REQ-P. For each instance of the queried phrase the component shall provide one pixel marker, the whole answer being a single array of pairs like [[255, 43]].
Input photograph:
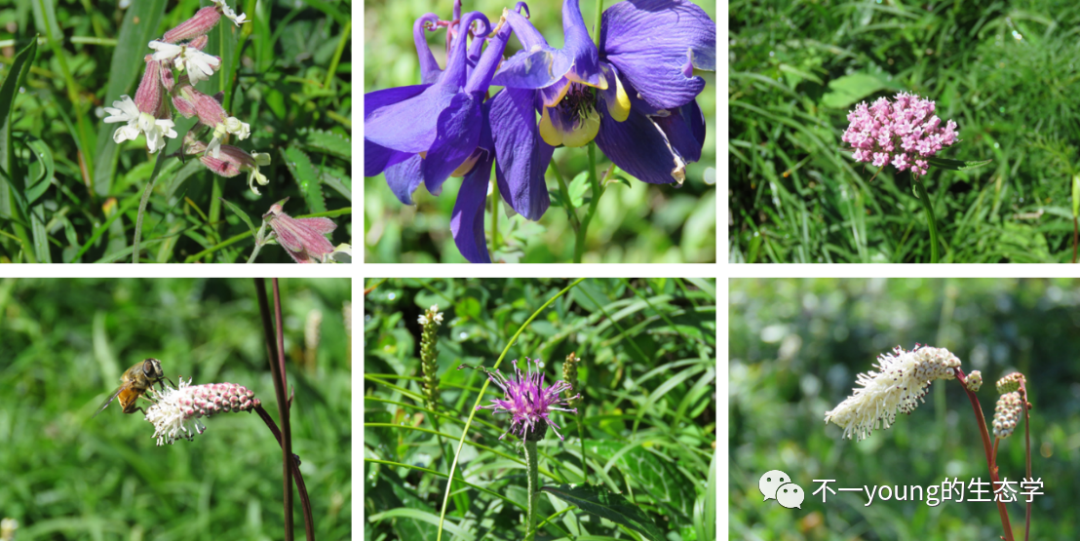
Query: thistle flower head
[[528, 402], [902, 379], [177, 411]]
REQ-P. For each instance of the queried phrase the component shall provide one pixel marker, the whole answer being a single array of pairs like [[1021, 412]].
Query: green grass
[[75, 194], [635, 223]]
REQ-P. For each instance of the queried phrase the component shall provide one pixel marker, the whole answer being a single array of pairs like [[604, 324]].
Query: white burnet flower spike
[[898, 386]]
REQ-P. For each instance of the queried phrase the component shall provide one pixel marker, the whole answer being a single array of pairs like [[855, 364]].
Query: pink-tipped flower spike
[[528, 402], [303, 238], [903, 132], [176, 412], [901, 381]]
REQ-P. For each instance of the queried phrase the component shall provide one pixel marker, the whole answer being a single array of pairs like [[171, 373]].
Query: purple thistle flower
[[528, 402], [903, 132]]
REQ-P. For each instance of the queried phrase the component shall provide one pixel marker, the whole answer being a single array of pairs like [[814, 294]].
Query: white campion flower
[[176, 412], [156, 130], [898, 386], [198, 65], [231, 125], [228, 12]]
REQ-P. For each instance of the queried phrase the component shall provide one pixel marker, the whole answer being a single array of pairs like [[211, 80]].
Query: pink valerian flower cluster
[[181, 49], [528, 402], [903, 132], [176, 409]]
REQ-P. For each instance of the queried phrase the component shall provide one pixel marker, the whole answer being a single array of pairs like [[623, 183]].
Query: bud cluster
[[1007, 414], [1010, 383], [176, 408], [974, 381], [429, 354]]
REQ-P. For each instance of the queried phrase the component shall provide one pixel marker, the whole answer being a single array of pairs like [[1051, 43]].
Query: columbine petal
[[458, 134], [653, 43], [641, 146], [405, 177], [429, 68], [467, 221], [523, 156]]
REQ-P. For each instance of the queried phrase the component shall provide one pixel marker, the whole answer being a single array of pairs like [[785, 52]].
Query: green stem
[[494, 221], [579, 245], [599, 17], [139, 219], [532, 466], [581, 436], [929, 207], [259, 242], [564, 191]]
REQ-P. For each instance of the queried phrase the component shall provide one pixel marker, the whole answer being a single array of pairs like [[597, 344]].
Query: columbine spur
[[898, 387]]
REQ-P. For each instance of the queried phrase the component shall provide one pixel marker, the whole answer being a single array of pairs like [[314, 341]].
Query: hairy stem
[[930, 221], [532, 465]]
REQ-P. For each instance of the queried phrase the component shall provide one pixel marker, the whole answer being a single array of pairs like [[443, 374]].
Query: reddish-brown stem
[[305, 501], [1027, 449], [989, 452]]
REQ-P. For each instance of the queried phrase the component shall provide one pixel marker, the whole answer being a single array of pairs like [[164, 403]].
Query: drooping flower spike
[[898, 385], [528, 402]]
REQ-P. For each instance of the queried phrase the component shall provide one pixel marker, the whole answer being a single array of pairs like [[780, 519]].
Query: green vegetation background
[[648, 373], [1004, 71], [796, 348], [281, 72], [637, 224], [70, 476]]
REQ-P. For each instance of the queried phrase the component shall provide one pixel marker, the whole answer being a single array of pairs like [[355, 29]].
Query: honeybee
[[134, 382]]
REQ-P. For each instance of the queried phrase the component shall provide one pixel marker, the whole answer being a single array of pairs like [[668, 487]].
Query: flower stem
[[494, 221], [597, 191], [532, 465], [1027, 454], [259, 242], [1004, 513], [565, 193], [305, 501], [599, 17], [929, 207], [581, 436]]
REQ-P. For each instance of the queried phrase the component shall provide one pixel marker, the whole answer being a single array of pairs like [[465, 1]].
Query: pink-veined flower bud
[[198, 25], [149, 97], [176, 412], [231, 161], [199, 42], [303, 238]]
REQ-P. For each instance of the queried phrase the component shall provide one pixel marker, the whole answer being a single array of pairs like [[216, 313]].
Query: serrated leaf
[[325, 142], [609, 505], [956, 165], [307, 177], [342, 184], [659, 478], [16, 75]]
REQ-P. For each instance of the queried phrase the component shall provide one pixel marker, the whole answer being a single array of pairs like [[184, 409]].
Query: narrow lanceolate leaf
[[8, 90], [609, 505], [240, 213], [955, 165]]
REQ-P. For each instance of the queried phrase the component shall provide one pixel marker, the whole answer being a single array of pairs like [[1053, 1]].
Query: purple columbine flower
[[529, 403], [903, 133], [634, 94]]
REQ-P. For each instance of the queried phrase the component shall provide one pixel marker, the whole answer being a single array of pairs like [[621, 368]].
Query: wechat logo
[[777, 485]]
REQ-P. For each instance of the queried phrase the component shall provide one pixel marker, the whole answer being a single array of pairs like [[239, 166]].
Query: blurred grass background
[[1004, 71], [796, 347], [637, 224], [70, 476]]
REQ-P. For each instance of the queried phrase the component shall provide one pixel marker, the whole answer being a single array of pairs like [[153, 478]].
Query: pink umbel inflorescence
[[528, 402], [903, 132]]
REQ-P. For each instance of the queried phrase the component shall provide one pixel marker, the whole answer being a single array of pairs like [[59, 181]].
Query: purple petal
[[579, 47], [642, 148], [537, 65], [408, 125], [404, 178], [523, 157], [467, 221], [458, 134], [378, 158], [685, 128], [429, 68]]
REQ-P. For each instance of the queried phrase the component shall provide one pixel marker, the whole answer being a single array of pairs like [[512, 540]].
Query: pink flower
[[877, 131], [176, 412], [303, 238], [528, 402], [198, 25]]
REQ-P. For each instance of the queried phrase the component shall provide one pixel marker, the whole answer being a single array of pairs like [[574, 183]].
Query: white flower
[[341, 254], [164, 52], [261, 159], [175, 409], [156, 130], [899, 387], [437, 316], [422, 320], [234, 126], [198, 65], [231, 125], [228, 12]]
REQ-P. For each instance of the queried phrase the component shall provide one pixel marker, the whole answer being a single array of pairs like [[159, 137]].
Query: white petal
[[165, 51]]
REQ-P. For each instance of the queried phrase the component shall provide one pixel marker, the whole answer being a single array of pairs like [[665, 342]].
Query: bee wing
[[108, 401]]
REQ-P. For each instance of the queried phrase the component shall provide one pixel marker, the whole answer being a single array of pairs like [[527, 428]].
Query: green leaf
[[578, 187], [8, 166], [658, 477], [243, 215], [41, 170], [307, 177], [955, 165], [342, 184], [851, 88], [609, 505], [325, 142]]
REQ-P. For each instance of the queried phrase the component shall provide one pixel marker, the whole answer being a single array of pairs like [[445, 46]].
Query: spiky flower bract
[[528, 402]]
